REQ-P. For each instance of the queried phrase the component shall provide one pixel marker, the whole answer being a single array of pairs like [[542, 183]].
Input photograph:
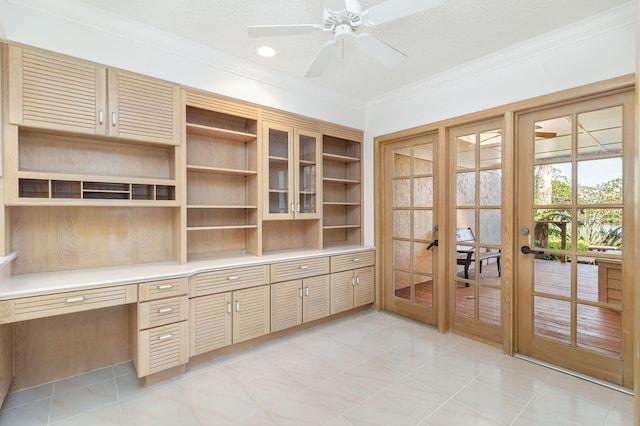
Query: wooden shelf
[[340, 226], [220, 170], [220, 227], [338, 203], [220, 207], [278, 159], [336, 180], [216, 132], [340, 158]]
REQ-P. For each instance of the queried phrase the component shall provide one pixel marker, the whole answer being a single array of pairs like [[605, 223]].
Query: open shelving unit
[[342, 191], [222, 183]]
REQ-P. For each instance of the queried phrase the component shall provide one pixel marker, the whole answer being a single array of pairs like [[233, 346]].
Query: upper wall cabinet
[[293, 172], [60, 93]]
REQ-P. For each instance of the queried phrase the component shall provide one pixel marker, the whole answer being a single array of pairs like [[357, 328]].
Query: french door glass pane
[[402, 193], [423, 159], [552, 319], [402, 224], [600, 181], [599, 329], [552, 277], [490, 188], [491, 148], [553, 138], [600, 132], [466, 152], [466, 189], [423, 224], [490, 226], [489, 304], [466, 300], [402, 162], [402, 284]]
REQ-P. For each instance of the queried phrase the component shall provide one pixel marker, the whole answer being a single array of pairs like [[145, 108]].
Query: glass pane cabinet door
[[279, 178], [307, 175]]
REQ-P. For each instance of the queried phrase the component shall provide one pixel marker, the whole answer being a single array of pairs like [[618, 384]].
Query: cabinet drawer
[[161, 289], [297, 269], [345, 262], [73, 301], [228, 280], [164, 311], [162, 348]]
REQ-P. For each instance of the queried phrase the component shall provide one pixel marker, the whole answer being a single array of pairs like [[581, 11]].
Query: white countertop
[[27, 285]]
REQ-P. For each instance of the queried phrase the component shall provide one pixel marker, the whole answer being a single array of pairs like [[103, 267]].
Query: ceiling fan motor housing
[[343, 22]]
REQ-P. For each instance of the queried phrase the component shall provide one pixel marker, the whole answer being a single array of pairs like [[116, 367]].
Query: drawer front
[[164, 288], [162, 348], [228, 280], [164, 311], [345, 262], [297, 269], [73, 301]]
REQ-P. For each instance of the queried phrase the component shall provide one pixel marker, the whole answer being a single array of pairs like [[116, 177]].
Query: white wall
[[598, 49]]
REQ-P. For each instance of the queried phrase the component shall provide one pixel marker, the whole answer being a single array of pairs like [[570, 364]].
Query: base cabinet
[[300, 301], [218, 320], [159, 341], [351, 289]]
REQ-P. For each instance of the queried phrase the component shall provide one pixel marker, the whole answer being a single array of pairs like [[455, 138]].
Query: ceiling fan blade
[[322, 59], [335, 6], [378, 50], [391, 10], [282, 30]]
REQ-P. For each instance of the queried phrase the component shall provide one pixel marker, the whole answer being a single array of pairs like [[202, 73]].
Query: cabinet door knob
[[237, 306], [228, 307], [114, 122], [100, 116], [307, 291]]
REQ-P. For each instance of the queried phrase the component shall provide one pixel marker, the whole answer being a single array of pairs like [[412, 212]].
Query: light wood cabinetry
[[342, 191], [160, 326], [60, 93], [222, 152], [300, 301], [292, 172], [351, 289], [228, 306]]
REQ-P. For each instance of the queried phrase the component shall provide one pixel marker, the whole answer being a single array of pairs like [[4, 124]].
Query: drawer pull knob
[[165, 310], [74, 299], [165, 336], [304, 267], [165, 286], [356, 259], [233, 277]]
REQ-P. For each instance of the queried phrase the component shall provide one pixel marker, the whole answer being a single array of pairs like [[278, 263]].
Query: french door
[[409, 229], [475, 234], [574, 222]]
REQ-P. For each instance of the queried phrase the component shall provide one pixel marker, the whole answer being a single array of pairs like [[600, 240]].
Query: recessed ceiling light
[[266, 51]]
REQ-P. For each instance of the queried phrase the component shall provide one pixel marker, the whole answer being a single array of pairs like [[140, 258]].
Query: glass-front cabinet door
[[292, 168]]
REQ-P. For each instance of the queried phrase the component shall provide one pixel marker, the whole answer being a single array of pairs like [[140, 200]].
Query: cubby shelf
[[340, 226], [338, 180], [220, 227]]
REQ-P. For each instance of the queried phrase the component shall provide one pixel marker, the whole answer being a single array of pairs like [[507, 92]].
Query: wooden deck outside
[[598, 328]]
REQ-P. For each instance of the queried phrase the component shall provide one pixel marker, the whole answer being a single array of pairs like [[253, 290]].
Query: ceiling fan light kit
[[343, 18]]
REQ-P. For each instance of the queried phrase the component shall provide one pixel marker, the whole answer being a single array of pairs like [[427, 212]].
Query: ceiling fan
[[343, 18]]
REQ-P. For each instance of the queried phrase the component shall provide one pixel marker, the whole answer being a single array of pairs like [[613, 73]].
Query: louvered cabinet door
[[363, 291], [144, 109], [56, 92], [316, 301], [286, 305], [341, 291], [210, 323], [251, 313]]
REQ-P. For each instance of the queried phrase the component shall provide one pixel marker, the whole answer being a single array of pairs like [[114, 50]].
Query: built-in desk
[[96, 317]]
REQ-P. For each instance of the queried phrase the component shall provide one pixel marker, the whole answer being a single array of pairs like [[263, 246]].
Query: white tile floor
[[370, 368]]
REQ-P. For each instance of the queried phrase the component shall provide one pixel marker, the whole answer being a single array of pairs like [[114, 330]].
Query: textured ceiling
[[436, 40]]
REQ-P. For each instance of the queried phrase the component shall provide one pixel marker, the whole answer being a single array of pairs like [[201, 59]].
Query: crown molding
[[610, 20]]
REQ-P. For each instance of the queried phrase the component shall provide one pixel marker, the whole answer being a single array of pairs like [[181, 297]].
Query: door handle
[[527, 250], [433, 243]]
